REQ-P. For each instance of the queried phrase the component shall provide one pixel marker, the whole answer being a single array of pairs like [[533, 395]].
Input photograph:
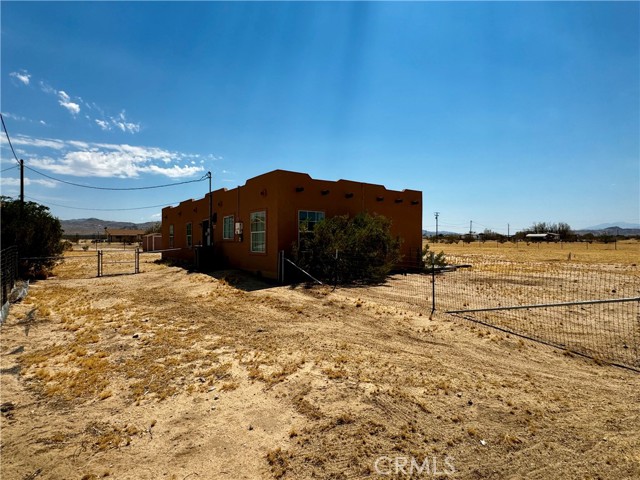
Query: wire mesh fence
[[589, 309], [409, 286], [9, 269], [86, 264]]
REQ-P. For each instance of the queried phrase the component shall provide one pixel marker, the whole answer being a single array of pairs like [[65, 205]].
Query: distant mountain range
[[612, 230], [91, 226], [605, 226]]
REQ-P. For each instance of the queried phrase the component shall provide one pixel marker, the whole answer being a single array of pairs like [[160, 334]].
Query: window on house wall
[[170, 236], [307, 220], [189, 235], [227, 228], [258, 232]]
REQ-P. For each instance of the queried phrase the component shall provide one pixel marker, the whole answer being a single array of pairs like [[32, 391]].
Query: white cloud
[[46, 88], [15, 182], [22, 75], [65, 101], [106, 122], [121, 122], [14, 117], [103, 125], [42, 122], [156, 215], [37, 142], [86, 159]]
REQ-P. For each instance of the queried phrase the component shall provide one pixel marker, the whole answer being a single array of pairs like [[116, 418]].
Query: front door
[[206, 240]]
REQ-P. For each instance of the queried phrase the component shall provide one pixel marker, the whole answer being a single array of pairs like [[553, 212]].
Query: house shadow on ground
[[242, 280]]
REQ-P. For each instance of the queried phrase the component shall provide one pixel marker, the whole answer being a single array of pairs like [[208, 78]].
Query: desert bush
[[345, 249], [36, 233], [438, 259]]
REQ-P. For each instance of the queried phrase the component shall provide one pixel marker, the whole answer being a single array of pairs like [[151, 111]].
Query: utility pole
[[508, 234], [21, 188], [436, 214], [470, 227], [210, 213]]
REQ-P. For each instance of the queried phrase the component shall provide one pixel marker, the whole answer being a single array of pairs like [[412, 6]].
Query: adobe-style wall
[[282, 194]]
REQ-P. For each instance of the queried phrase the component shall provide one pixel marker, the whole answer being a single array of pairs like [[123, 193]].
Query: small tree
[[346, 250], [155, 228], [36, 233], [562, 229], [438, 260]]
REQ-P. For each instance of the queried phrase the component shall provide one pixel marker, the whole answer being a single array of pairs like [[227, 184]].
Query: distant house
[[152, 242], [253, 223], [124, 236], [542, 237]]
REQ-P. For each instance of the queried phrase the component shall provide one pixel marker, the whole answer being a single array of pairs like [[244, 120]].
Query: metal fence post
[[335, 271], [433, 283]]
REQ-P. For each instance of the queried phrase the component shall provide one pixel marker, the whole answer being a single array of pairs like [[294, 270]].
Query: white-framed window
[[258, 222], [189, 235], [307, 220], [227, 227], [171, 236]]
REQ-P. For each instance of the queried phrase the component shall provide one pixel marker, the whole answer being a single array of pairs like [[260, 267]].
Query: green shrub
[[36, 233], [345, 249], [438, 259]]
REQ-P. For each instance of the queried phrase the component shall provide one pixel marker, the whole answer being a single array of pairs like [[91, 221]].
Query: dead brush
[[284, 372], [278, 462], [344, 419], [306, 408], [510, 440], [218, 372], [229, 386], [335, 373], [106, 437]]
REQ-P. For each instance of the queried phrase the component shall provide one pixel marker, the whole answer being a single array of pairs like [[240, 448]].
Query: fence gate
[[118, 262]]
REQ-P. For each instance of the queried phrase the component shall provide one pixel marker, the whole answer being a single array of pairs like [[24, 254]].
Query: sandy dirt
[[172, 374]]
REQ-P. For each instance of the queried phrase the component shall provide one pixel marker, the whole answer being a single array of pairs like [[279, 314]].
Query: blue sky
[[501, 113]]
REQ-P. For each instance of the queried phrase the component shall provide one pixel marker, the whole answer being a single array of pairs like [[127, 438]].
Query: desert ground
[[171, 374]]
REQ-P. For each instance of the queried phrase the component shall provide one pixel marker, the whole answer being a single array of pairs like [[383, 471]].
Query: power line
[[8, 139], [102, 209], [113, 188], [10, 168]]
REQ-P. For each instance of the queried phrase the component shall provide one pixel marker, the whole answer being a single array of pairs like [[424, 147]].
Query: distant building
[[542, 237], [152, 242], [126, 236], [253, 223]]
